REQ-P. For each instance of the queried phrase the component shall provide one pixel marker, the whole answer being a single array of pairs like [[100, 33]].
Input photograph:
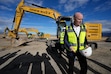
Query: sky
[[94, 11]]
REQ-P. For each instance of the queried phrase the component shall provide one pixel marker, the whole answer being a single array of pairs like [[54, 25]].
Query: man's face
[[78, 20]]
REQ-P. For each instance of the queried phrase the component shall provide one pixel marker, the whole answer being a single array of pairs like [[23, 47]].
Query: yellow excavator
[[40, 35], [21, 8]]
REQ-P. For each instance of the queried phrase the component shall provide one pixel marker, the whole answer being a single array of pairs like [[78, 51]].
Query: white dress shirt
[[77, 29]]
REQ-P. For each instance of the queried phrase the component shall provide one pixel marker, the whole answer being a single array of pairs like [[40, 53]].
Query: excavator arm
[[21, 8], [32, 30], [23, 30]]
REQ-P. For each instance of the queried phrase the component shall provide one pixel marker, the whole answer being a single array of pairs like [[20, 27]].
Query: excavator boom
[[23, 30]]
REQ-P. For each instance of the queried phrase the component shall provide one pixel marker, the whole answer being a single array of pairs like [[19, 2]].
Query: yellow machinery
[[94, 31], [27, 30], [5, 31], [43, 36], [23, 30], [32, 30], [21, 8], [29, 35]]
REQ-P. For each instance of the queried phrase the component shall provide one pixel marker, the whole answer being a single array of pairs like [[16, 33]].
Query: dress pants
[[82, 61]]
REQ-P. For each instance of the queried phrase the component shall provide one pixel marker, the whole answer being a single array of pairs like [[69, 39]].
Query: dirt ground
[[34, 57]]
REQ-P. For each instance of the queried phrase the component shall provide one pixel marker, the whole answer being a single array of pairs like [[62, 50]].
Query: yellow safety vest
[[62, 37], [73, 40]]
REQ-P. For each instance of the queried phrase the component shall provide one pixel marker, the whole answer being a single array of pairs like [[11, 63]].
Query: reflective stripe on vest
[[72, 38], [62, 38]]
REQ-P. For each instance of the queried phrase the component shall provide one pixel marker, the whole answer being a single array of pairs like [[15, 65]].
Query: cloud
[[5, 8], [95, 0], [7, 1], [62, 1], [70, 5], [37, 2], [104, 6], [8, 4], [15, 2], [5, 22], [1, 30]]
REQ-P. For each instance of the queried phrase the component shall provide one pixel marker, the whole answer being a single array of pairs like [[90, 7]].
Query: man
[[61, 43], [75, 40]]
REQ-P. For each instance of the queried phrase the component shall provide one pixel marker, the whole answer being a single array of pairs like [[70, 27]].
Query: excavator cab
[[40, 33], [29, 36], [62, 22], [43, 35]]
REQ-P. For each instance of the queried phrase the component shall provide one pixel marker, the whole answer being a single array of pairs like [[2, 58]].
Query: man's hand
[[86, 46], [72, 49]]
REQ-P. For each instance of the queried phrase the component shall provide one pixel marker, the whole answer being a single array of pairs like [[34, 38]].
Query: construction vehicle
[[21, 9], [94, 31], [5, 32], [23, 30], [27, 32], [40, 35]]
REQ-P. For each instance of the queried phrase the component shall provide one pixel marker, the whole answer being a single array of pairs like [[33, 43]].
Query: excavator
[[22, 8], [40, 35], [23, 30], [36, 9]]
